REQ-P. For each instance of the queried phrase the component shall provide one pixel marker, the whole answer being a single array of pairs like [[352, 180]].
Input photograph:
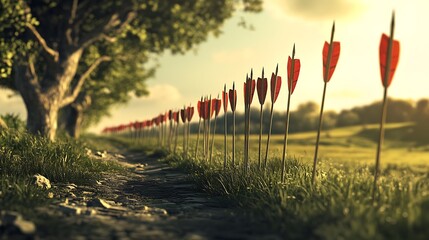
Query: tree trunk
[[72, 116], [42, 118], [74, 121], [43, 97]]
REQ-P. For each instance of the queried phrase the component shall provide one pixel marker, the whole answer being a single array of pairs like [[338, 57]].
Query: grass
[[22, 155], [339, 205]]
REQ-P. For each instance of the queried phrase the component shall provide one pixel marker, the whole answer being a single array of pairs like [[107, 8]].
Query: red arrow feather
[[217, 104], [294, 78], [200, 109], [384, 46], [190, 113], [248, 99], [336, 48], [225, 101], [176, 116], [233, 99], [208, 111], [262, 87], [183, 115], [275, 83]]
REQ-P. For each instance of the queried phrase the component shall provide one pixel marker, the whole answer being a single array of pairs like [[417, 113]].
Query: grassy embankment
[[22, 155], [339, 205]]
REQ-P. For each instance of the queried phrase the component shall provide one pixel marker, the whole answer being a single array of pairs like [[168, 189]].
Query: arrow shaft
[[380, 143], [198, 138], [261, 114], [286, 135], [233, 138], [224, 140], [316, 151], [269, 137]]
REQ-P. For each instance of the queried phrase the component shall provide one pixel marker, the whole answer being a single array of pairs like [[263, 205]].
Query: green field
[[339, 205], [348, 145]]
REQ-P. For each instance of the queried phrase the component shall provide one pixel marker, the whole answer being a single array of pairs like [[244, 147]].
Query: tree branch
[[70, 99], [70, 22], [42, 42], [73, 11], [116, 21]]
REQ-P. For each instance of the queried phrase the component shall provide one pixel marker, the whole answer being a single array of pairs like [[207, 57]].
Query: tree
[[60, 32], [347, 118], [111, 84]]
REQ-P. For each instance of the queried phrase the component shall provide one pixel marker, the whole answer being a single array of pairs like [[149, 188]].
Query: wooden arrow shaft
[[198, 138], [380, 143], [261, 114], [316, 151], [286, 134], [269, 137]]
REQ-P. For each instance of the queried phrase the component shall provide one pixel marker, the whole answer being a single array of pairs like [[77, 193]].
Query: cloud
[[318, 9], [162, 93]]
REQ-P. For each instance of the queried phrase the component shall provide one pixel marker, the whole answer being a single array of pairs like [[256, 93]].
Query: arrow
[[199, 106], [275, 90], [225, 110], [262, 87], [233, 103], [217, 105], [389, 57], [331, 53], [249, 90], [293, 68], [189, 115]]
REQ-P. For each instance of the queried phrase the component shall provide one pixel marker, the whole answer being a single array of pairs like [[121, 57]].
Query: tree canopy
[[50, 48]]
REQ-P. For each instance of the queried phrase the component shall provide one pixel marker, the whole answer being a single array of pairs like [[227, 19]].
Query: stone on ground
[[41, 181]]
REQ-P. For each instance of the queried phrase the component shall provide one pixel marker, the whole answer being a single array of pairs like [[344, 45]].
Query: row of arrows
[[207, 107]]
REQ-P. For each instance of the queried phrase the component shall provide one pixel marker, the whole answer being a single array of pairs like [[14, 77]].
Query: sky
[[183, 79]]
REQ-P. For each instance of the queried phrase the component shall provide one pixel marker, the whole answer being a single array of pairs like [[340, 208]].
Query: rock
[[42, 181], [14, 223], [98, 202], [88, 152], [101, 154]]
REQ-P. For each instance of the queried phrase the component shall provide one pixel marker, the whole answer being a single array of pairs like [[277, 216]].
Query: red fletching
[[189, 113], [233, 99], [335, 55], [176, 116], [207, 109], [217, 104], [262, 87], [248, 98], [384, 48], [276, 84], [293, 77], [213, 106], [200, 109], [183, 115], [225, 101], [157, 120]]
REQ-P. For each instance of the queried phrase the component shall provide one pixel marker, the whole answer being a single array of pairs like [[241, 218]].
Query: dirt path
[[151, 201]]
